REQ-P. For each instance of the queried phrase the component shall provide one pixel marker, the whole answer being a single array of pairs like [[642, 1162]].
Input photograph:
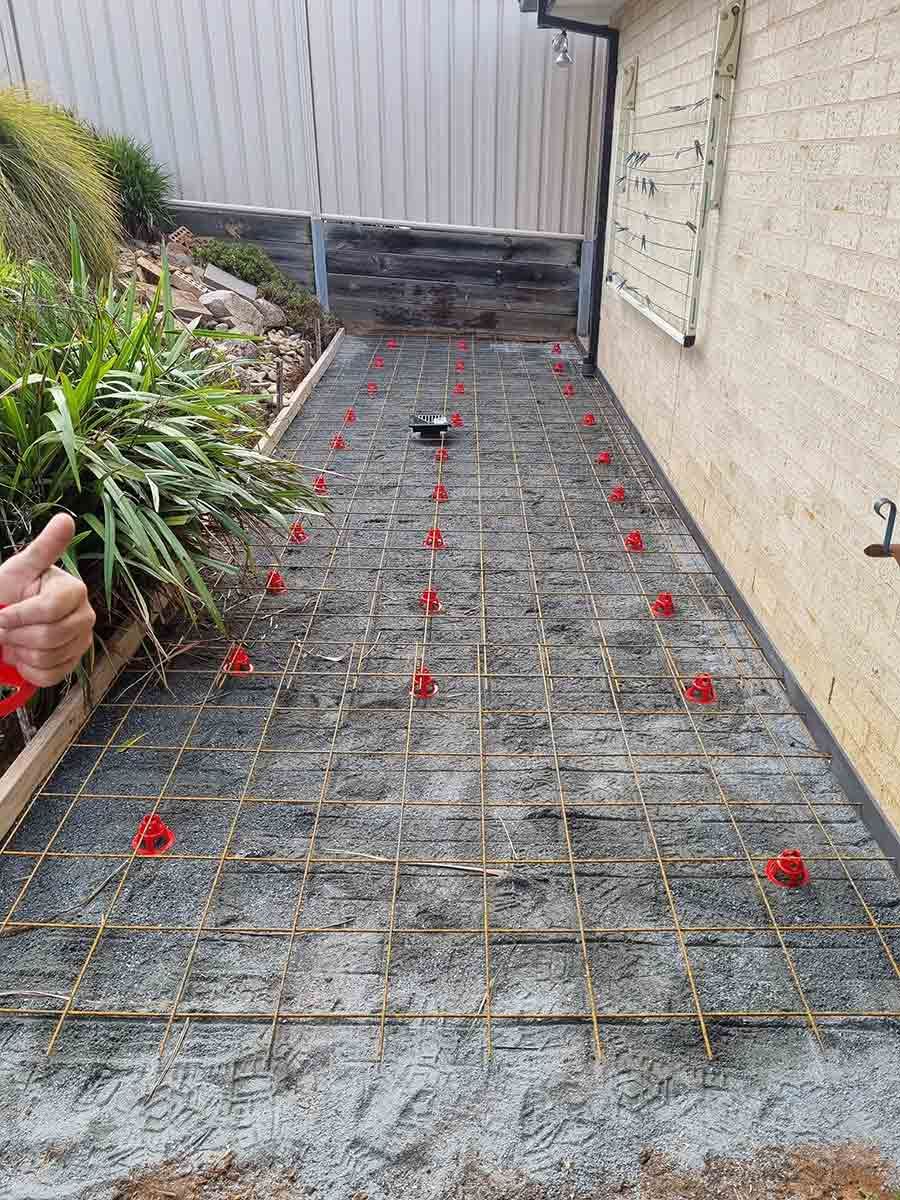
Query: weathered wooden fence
[[415, 277]]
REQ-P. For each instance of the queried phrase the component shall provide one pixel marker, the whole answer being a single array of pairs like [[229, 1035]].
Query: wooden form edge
[[275, 432], [36, 760]]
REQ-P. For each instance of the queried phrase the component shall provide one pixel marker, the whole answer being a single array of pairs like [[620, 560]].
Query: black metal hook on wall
[[885, 548]]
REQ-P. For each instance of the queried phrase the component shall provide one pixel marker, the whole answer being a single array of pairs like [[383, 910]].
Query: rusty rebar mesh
[[556, 835]]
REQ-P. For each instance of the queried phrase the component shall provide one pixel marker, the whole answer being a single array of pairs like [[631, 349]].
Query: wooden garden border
[[35, 762]]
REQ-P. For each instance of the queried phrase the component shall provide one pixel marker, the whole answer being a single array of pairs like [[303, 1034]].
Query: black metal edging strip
[[876, 820]]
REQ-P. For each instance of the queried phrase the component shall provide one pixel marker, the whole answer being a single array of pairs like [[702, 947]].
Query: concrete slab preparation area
[[524, 914]]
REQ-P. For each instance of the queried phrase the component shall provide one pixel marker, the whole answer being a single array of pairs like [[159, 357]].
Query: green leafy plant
[[252, 264], [142, 184], [115, 415], [243, 259], [51, 172]]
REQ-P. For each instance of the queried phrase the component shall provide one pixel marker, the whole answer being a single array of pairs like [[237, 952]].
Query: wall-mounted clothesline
[[654, 266]]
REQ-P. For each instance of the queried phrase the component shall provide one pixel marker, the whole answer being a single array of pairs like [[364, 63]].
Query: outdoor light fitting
[[560, 47]]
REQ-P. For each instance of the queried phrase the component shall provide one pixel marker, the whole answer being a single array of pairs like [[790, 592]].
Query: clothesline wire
[[651, 216], [671, 153], [672, 128], [650, 241], [655, 279], [668, 266], [694, 166], [652, 303]]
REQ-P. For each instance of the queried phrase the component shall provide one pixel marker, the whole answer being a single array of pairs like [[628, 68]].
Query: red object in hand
[[568, 389], [430, 601], [371, 387], [460, 364], [349, 416], [275, 584], [337, 442], [701, 691], [456, 420], [604, 457], [557, 348], [391, 343], [237, 662], [634, 541], [320, 487], [559, 368], [434, 540], [439, 492], [441, 455], [377, 361], [153, 836], [617, 495], [663, 605], [788, 870], [589, 419], [21, 690], [459, 389]]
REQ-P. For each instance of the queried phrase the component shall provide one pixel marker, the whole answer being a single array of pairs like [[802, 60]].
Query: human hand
[[48, 623]]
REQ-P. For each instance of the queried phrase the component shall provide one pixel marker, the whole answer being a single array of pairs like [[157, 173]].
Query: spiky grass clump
[[142, 184], [116, 415], [51, 170]]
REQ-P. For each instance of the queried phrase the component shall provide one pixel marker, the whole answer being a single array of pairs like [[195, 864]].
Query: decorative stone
[[231, 283], [246, 317], [240, 349], [272, 315]]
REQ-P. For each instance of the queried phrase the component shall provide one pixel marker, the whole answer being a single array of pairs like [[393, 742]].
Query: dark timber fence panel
[[382, 276], [285, 237]]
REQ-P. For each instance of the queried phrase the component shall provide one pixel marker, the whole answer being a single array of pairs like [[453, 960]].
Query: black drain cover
[[430, 425]]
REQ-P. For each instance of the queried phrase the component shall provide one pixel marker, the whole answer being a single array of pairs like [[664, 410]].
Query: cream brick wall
[[782, 424]]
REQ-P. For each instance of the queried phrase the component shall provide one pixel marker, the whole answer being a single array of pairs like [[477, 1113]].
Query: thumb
[[53, 540]]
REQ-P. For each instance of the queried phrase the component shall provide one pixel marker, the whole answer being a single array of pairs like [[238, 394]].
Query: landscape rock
[[151, 268], [245, 315], [186, 306], [215, 302], [224, 280], [271, 313], [183, 305], [241, 349]]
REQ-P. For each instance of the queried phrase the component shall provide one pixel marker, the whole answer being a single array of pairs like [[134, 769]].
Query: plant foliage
[[115, 415], [253, 265], [51, 172], [142, 184]]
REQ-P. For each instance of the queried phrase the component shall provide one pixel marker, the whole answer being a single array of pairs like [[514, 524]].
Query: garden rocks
[[245, 316], [220, 280], [240, 349], [271, 313], [184, 306], [253, 364]]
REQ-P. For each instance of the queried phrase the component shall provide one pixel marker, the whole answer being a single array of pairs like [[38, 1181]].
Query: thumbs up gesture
[[47, 624]]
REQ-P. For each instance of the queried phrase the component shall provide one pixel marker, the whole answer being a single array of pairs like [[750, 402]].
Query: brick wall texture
[[782, 424]]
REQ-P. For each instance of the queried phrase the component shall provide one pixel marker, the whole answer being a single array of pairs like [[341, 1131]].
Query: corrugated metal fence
[[441, 111]]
